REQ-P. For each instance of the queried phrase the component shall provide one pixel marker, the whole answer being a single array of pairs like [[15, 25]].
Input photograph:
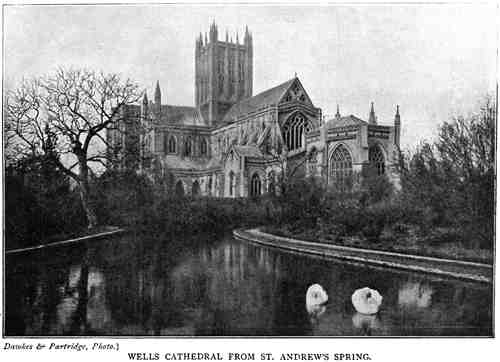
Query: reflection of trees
[[187, 287]]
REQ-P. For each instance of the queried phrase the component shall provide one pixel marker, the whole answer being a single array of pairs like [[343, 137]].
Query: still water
[[209, 285]]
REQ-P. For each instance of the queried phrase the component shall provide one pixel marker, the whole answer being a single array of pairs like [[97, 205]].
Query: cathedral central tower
[[223, 73]]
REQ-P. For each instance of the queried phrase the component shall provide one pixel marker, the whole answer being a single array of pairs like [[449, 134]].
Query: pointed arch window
[[172, 145], [203, 147], [209, 186], [271, 183], [179, 189], [195, 190], [341, 168], [294, 131], [255, 185], [376, 158], [231, 183], [187, 147], [165, 142]]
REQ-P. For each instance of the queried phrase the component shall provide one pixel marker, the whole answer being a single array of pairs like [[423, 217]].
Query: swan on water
[[316, 298], [366, 300]]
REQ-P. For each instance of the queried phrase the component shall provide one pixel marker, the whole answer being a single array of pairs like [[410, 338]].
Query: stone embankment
[[445, 267], [111, 232]]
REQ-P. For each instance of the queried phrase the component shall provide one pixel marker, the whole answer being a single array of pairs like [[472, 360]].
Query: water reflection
[[415, 295], [225, 287], [366, 324]]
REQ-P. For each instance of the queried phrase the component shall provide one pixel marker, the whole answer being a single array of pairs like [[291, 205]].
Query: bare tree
[[65, 116]]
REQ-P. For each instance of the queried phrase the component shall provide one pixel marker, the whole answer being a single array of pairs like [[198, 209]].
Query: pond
[[218, 286]]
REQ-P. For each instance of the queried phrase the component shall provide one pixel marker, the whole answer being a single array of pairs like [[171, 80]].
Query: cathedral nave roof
[[266, 98]]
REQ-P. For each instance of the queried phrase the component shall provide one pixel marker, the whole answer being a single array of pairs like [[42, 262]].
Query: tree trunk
[[89, 210], [84, 193]]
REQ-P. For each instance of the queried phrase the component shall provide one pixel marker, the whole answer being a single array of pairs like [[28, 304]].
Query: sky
[[435, 61]]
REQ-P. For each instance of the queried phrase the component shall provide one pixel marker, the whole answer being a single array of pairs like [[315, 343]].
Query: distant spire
[[295, 75], [397, 117], [337, 115], [237, 40], [145, 98], [206, 39], [372, 119], [227, 36], [158, 94]]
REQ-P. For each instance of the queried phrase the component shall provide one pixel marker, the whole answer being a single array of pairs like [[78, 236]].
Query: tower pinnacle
[[158, 94], [372, 118]]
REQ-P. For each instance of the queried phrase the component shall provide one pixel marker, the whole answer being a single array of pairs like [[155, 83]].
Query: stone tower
[[223, 73]]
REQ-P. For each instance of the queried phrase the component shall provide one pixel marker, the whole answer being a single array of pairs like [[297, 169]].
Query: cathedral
[[236, 144]]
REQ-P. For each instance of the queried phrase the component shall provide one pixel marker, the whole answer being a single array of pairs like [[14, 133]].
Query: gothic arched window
[[231, 183], [341, 168], [271, 186], [196, 191], [179, 188], [209, 186], [172, 145], [376, 158], [187, 147], [203, 147], [165, 142], [294, 131], [255, 185]]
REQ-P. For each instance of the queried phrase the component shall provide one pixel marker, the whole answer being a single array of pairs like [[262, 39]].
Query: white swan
[[316, 299], [366, 300]]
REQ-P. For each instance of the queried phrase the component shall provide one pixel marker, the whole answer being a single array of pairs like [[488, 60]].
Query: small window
[[187, 147], [203, 147], [256, 185], [231, 183], [172, 145]]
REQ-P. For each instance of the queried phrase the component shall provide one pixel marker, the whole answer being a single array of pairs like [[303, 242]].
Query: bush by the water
[[39, 204]]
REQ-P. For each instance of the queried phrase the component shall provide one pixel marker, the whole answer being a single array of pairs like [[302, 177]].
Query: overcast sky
[[433, 60]]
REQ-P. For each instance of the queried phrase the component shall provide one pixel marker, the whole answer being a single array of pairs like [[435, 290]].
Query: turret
[[337, 115], [158, 94], [372, 119], [145, 105], [237, 85], [227, 76], [248, 81], [397, 127], [213, 33]]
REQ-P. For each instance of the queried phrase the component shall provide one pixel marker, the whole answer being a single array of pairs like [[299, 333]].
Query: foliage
[[446, 196], [450, 183], [39, 203]]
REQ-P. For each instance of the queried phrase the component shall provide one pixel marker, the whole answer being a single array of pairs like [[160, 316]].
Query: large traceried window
[[376, 158], [255, 185], [341, 168], [172, 145], [294, 131]]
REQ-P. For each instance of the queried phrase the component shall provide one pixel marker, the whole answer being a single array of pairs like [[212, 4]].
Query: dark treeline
[[443, 205]]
